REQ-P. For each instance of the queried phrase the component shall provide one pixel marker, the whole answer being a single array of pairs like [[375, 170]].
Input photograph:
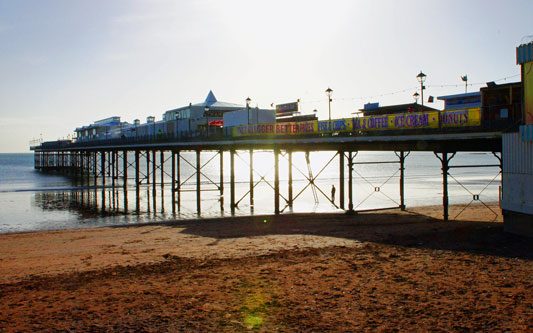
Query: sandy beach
[[388, 270]]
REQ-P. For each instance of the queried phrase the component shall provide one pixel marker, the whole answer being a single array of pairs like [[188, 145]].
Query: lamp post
[[206, 109], [421, 77], [465, 80], [329, 91], [248, 100], [415, 96]]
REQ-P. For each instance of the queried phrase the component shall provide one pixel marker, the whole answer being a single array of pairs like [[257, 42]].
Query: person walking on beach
[[333, 193]]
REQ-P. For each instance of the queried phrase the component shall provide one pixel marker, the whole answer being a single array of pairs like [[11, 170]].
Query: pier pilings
[[100, 167]]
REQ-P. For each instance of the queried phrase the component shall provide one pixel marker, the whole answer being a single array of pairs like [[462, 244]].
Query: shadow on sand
[[393, 228]]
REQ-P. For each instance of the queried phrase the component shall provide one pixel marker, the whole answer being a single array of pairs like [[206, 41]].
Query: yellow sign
[[460, 118], [306, 127], [528, 92], [337, 125], [397, 121], [400, 121]]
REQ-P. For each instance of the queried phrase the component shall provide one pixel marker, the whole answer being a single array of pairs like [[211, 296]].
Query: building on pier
[[208, 117], [464, 101], [205, 119], [100, 130], [373, 109], [502, 103], [517, 150]]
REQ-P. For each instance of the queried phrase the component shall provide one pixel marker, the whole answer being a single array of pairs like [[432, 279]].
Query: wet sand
[[390, 270]]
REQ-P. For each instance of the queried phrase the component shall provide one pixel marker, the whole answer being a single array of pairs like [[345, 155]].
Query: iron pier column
[[117, 167], [173, 182], [221, 187], [252, 180], [445, 168], [137, 180], [81, 166], [95, 166], [137, 171], [109, 162], [147, 167], [178, 178], [350, 181], [162, 169], [154, 167], [113, 166], [341, 179], [290, 179], [88, 166], [198, 188], [232, 181], [102, 166], [276, 181], [125, 168], [402, 180]]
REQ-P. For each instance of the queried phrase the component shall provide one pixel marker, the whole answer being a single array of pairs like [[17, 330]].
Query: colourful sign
[[401, 121], [371, 123], [397, 121], [460, 118], [336, 125], [305, 127]]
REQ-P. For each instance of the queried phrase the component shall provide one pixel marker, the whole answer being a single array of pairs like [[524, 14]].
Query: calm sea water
[[32, 200]]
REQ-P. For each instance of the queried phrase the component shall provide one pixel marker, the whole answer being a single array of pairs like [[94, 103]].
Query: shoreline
[[434, 211]]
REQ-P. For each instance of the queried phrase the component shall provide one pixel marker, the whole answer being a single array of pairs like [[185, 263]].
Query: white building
[[103, 129]]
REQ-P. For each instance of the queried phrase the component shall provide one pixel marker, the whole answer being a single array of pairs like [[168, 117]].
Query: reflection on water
[[85, 203]]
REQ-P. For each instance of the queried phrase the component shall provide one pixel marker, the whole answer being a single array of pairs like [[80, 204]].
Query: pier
[[110, 163]]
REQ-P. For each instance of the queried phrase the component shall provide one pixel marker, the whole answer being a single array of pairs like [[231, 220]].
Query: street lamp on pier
[[465, 80], [248, 100], [329, 91], [415, 96], [421, 77], [207, 118]]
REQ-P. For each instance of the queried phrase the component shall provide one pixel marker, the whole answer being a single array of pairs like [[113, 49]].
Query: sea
[[31, 200]]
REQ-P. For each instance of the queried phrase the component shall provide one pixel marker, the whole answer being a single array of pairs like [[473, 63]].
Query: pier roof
[[212, 102]]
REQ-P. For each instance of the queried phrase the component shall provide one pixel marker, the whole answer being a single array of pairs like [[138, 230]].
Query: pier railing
[[491, 123]]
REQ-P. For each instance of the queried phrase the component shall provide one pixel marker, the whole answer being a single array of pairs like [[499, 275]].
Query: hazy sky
[[64, 64]]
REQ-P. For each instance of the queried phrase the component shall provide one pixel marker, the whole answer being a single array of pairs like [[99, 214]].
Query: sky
[[65, 64]]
